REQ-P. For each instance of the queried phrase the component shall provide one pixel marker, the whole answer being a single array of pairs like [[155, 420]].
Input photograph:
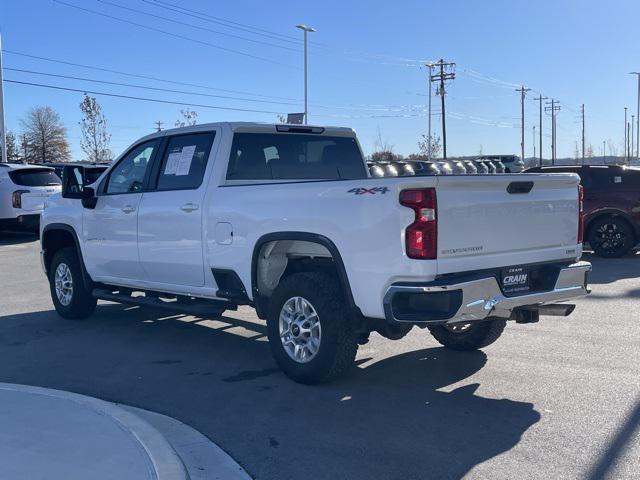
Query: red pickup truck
[[611, 205]]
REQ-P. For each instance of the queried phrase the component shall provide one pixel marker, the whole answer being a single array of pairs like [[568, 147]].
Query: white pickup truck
[[288, 220]]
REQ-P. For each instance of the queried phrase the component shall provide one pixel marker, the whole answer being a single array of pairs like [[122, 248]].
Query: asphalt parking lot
[[558, 399]]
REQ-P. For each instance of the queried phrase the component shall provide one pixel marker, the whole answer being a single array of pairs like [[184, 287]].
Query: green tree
[[12, 148]]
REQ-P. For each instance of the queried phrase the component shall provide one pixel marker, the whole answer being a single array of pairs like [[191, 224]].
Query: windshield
[[35, 177]]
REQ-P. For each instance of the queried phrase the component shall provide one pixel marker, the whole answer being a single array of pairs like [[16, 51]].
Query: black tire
[[611, 237], [338, 341], [81, 303], [477, 335]]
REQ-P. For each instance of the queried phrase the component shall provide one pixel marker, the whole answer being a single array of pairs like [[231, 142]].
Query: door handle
[[189, 207], [128, 209]]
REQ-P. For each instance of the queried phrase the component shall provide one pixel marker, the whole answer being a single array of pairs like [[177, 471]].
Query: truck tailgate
[[502, 220]]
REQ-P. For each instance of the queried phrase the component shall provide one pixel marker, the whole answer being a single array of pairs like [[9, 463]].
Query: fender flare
[[302, 236], [69, 229]]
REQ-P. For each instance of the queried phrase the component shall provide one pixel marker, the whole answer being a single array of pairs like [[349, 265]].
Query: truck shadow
[[11, 237], [609, 270], [413, 415]]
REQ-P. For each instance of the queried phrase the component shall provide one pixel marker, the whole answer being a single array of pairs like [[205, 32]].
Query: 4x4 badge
[[372, 191]]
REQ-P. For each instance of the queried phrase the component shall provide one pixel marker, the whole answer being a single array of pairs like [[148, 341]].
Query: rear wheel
[[311, 334], [611, 237], [468, 336], [71, 297]]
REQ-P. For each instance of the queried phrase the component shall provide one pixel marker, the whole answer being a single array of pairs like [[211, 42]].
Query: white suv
[[23, 191]]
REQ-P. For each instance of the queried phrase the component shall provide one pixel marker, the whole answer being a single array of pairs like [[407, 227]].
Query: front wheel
[[468, 336], [311, 334], [71, 297]]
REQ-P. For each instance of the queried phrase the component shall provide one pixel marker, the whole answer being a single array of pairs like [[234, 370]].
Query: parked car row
[[486, 164]]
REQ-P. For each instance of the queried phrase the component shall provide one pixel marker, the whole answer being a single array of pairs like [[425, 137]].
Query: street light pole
[[306, 31], [3, 131], [430, 67], [637, 118]]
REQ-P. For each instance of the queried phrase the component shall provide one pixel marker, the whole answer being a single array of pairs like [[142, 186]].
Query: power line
[[171, 34], [381, 59], [382, 108], [224, 22], [145, 99], [144, 87], [146, 77], [198, 27]]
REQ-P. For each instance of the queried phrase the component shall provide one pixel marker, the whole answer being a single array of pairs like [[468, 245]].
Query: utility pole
[[632, 134], [306, 31], [604, 152], [637, 117], [553, 108], [523, 91], [442, 77], [430, 67], [3, 130], [626, 149], [540, 99], [582, 111], [534, 143], [158, 126]]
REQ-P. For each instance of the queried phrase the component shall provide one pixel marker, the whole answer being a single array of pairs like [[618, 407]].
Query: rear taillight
[[580, 214], [422, 235], [16, 198]]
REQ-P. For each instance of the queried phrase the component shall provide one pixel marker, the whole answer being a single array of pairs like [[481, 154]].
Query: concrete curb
[[203, 459], [163, 461]]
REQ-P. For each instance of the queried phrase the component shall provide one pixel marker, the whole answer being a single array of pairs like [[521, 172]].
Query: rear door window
[[257, 156], [184, 161], [35, 177]]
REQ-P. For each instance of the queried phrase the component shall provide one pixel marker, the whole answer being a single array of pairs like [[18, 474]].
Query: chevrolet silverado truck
[[288, 220]]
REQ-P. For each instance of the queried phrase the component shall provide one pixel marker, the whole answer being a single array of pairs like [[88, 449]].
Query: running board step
[[200, 308]]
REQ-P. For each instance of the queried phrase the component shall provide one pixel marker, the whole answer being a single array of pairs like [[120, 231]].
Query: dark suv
[[611, 205]]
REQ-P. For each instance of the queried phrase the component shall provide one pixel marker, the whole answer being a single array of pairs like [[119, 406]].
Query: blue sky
[[363, 66]]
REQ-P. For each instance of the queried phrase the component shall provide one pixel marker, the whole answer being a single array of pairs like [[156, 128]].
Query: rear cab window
[[35, 177], [294, 156]]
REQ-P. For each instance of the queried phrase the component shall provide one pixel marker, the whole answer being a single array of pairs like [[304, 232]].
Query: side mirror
[[72, 182], [89, 199]]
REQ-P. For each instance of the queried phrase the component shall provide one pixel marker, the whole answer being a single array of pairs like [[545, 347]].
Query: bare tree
[[589, 151], [189, 118], [46, 136], [380, 144], [430, 145], [385, 156], [93, 126]]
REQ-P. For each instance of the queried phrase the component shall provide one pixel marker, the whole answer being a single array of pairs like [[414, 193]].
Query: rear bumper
[[477, 298]]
